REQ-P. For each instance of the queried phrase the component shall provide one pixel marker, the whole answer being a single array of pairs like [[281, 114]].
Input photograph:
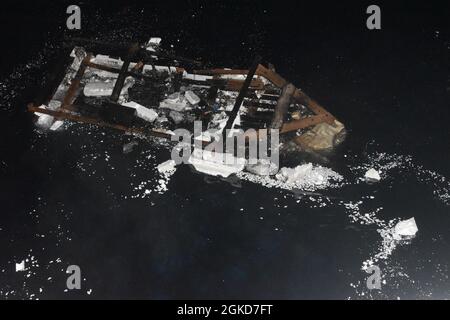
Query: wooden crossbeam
[[242, 94]]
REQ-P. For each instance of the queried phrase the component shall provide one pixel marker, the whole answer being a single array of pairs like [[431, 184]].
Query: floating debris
[[148, 83], [167, 166], [372, 175], [20, 266], [306, 177], [405, 229], [216, 164]]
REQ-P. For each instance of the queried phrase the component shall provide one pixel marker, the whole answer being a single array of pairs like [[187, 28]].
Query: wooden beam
[[241, 95], [302, 123], [75, 82], [279, 82], [123, 73], [66, 115]]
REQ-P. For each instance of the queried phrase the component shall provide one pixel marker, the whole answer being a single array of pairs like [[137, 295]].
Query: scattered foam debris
[[161, 187], [306, 177], [167, 166], [215, 163], [385, 163]]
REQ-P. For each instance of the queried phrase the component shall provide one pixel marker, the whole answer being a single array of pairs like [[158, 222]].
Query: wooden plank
[[236, 85], [241, 95], [75, 83]]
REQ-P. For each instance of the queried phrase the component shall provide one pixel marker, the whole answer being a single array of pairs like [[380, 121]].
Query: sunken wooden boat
[[147, 91]]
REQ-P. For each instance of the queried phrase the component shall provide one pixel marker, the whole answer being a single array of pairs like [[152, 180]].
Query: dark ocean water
[[67, 197]]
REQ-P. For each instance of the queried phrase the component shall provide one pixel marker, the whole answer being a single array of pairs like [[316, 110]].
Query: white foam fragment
[[300, 174], [56, 125], [44, 120], [98, 89], [20, 266], [173, 105], [216, 164], [191, 97], [142, 112], [166, 166], [305, 177], [262, 167], [196, 77], [405, 229], [152, 44], [176, 116], [372, 175]]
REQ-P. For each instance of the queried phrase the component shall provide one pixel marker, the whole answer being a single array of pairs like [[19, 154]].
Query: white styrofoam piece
[[372, 175], [406, 228], [56, 125], [105, 88], [191, 97], [196, 77], [20, 266], [262, 167], [44, 121], [166, 166], [152, 44], [173, 105], [216, 164], [107, 60]]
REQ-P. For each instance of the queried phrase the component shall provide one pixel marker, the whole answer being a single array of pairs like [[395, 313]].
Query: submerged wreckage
[[147, 91]]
